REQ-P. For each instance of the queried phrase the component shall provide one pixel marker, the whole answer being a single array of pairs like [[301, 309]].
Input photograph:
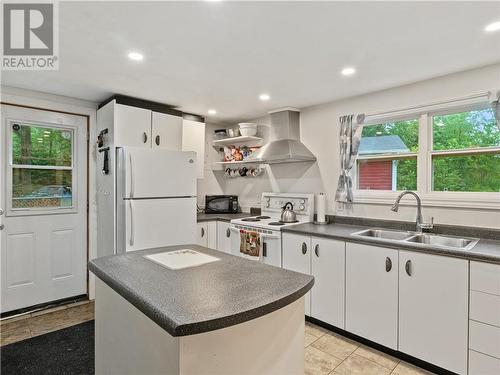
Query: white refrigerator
[[155, 200]]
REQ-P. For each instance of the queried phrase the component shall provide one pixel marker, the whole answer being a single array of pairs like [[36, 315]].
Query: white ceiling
[[222, 55]]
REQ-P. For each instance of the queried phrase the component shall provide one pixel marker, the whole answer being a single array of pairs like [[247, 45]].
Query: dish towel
[[250, 243]]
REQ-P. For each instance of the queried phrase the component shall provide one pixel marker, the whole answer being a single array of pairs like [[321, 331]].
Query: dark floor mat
[[67, 351]]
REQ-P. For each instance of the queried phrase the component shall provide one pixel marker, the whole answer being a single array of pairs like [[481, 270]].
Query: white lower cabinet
[[372, 293], [202, 233], [212, 235], [484, 319], [433, 309], [224, 236], [328, 269], [296, 250]]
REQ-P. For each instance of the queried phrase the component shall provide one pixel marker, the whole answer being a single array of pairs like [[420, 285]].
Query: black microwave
[[221, 204]]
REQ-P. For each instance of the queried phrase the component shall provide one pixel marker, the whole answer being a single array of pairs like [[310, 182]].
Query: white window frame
[[482, 200], [10, 166]]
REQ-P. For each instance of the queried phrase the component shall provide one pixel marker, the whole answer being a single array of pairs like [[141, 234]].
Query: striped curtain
[[350, 137]]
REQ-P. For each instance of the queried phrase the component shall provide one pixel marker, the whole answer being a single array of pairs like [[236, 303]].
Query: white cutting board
[[179, 259]]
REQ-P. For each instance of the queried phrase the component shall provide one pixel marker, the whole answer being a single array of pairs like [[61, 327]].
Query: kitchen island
[[193, 310]]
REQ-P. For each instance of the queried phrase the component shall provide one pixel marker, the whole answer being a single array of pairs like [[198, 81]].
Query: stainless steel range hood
[[284, 140]]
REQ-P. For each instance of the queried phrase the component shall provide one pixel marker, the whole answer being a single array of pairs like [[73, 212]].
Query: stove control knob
[[302, 201], [301, 207], [267, 204]]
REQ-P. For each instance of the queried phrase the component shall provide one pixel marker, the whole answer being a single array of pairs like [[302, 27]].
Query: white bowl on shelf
[[248, 132], [248, 128]]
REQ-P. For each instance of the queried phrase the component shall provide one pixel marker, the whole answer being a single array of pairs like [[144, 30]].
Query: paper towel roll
[[320, 207]]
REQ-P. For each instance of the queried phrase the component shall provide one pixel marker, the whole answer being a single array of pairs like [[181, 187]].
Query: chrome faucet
[[419, 221]]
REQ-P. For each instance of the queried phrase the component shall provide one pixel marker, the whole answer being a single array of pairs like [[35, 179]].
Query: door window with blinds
[[41, 167]]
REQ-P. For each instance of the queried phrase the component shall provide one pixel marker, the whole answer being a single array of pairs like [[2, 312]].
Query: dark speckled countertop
[[486, 250], [199, 299], [220, 217]]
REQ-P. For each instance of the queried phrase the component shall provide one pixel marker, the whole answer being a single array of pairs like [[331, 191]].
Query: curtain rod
[[487, 94]]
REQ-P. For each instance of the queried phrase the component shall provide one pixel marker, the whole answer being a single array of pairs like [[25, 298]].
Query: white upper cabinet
[[132, 126], [372, 293], [328, 269], [296, 250], [193, 139], [433, 309], [166, 131]]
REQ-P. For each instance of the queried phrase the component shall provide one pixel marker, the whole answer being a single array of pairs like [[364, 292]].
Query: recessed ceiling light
[[348, 71], [212, 112], [136, 56], [264, 97], [495, 26]]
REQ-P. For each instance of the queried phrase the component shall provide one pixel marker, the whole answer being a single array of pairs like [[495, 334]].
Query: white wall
[[319, 132], [13, 95]]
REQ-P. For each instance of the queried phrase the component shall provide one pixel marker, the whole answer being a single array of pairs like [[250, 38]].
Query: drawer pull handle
[[408, 267], [304, 248]]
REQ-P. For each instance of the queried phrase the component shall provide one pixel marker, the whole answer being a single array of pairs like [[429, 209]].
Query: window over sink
[[450, 156]]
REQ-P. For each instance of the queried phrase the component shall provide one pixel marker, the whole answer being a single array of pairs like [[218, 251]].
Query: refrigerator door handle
[[132, 180], [131, 241]]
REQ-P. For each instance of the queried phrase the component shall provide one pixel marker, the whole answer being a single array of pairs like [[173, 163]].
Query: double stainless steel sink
[[424, 239]]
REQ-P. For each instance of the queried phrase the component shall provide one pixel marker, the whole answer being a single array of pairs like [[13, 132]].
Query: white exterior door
[[44, 198], [433, 304], [372, 293], [328, 292]]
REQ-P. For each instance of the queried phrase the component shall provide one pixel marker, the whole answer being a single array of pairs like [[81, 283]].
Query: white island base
[[128, 342]]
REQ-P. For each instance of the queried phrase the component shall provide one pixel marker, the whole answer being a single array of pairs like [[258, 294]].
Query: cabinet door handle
[[316, 250], [202, 232], [264, 249], [157, 140], [408, 267], [2, 226], [144, 137], [388, 264], [1, 212], [304, 248], [228, 232]]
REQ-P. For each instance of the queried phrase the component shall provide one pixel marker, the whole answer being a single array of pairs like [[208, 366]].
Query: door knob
[[202, 232], [304, 248], [157, 140], [144, 137], [228, 233], [316, 250], [1, 212], [1, 226]]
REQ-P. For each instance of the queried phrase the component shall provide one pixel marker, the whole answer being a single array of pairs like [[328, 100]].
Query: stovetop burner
[[263, 217], [252, 219], [289, 222], [277, 223]]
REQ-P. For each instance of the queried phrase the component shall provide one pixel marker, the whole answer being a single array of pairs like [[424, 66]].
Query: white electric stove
[[269, 226]]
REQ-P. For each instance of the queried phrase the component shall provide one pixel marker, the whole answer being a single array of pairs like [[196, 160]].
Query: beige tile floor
[[41, 322], [330, 354], [325, 352]]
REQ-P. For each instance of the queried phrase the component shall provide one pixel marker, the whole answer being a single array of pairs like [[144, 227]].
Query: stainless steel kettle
[[287, 214]]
